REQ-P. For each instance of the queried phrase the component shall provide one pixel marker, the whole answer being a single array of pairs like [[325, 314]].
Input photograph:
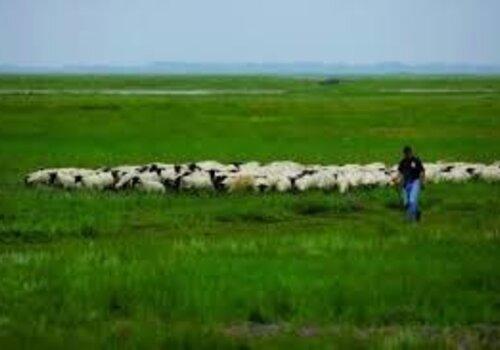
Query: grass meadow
[[204, 270]]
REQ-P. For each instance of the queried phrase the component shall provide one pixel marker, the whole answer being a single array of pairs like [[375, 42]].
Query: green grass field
[[312, 270]]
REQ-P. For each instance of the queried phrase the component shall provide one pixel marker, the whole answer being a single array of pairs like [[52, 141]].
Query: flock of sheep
[[280, 176]]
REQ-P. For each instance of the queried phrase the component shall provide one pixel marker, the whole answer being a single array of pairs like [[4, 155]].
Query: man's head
[[407, 152]]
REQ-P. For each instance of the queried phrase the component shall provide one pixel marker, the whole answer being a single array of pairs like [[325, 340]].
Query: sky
[[136, 32]]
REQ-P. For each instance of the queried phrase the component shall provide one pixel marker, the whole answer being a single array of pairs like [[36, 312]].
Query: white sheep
[[197, 180], [100, 181], [66, 181], [490, 173], [147, 186], [41, 177], [262, 184]]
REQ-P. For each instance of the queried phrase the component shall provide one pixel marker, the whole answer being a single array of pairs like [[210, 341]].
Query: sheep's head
[[470, 171], [115, 174], [38, 177], [218, 182], [172, 184], [52, 177], [28, 181], [159, 170], [307, 172], [211, 172], [193, 167], [293, 182], [136, 180], [78, 179], [262, 187]]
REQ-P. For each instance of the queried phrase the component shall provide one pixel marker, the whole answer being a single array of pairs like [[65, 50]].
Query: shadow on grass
[[33, 236], [320, 207], [15, 235], [250, 217]]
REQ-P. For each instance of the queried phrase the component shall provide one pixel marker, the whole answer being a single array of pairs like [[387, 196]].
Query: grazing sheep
[[238, 182], [99, 181], [67, 181], [281, 183], [125, 180], [218, 180], [211, 165], [261, 184], [193, 167], [326, 181], [250, 167], [147, 186], [41, 177], [282, 176], [197, 180], [343, 183], [490, 173]]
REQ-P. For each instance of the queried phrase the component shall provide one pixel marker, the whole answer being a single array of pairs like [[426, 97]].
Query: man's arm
[[422, 172], [398, 180]]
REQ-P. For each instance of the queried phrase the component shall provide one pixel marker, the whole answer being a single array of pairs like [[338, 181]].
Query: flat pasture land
[[206, 270]]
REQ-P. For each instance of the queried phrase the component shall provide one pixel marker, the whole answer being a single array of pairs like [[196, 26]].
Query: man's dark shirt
[[410, 168]]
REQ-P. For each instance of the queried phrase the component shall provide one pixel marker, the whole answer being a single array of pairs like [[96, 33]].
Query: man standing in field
[[411, 177]]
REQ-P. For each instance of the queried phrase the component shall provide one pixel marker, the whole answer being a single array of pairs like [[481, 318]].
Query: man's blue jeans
[[411, 191]]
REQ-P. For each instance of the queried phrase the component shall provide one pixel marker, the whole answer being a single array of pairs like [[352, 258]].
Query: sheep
[[72, 171], [261, 184], [196, 180], [343, 184], [217, 179], [238, 182], [100, 181], [145, 175], [326, 181], [169, 172], [147, 186], [279, 176], [124, 181], [41, 177], [192, 167], [211, 165], [303, 183], [67, 181], [126, 168], [250, 167], [150, 176], [280, 183], [432, 172], [490, 173], [48, 176], [313, 179]]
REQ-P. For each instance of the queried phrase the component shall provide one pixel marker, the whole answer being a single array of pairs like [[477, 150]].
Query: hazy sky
[[54, 32]]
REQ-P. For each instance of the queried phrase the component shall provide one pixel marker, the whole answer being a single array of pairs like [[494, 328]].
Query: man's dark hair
[[407, 150]]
